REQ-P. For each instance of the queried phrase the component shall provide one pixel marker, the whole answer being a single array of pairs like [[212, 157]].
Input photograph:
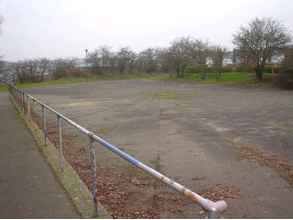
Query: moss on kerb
[[69, 179]]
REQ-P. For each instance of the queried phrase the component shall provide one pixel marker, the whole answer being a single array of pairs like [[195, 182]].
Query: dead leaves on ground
[[132, 194], [281, 166]]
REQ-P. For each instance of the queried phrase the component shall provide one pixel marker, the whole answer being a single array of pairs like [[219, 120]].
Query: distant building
[[288, 50], [82, 63], [209, 62], [276, 59], [228, 58]]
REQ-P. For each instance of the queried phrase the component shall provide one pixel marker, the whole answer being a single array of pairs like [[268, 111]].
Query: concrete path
[[28, 188]]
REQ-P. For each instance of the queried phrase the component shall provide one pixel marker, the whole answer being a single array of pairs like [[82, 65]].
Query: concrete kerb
[[69, 179]]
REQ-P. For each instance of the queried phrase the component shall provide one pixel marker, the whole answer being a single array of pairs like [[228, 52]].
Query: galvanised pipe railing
[[213, 209]]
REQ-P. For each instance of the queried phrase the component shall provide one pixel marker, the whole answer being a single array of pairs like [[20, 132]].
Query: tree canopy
[[260, 40]]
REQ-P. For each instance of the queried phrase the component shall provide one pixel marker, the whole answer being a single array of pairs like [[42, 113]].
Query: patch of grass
[[229, 77], [73, 80], [3, 88], [165, 95], [157, 163], [226, 78], [54, 82], [168, 94]]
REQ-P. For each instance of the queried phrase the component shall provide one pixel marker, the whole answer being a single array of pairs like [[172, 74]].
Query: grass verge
[[3, 88], [225, 78], [73, 80], [211, 78]]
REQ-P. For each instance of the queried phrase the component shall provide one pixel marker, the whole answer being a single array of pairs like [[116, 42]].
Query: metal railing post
[[212, 215], [28, 108], [93, 164], [24, 109], [44, 123], [61, 156], [22, 100]]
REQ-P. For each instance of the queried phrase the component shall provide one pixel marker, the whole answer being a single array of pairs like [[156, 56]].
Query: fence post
[[93, 164], [61, 156], [44, 124], [22, 101], [24, 110], [212, 214], [28, 108]]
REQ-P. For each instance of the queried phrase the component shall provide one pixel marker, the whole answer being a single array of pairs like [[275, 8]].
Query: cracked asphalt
[[193, 133]]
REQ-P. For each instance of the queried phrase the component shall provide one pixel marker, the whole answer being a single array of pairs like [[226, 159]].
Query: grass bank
[[3, 88], [211, 78], [225, 78], [73, 80]]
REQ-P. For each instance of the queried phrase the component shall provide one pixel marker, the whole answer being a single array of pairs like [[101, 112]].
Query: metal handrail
[[212, 208]]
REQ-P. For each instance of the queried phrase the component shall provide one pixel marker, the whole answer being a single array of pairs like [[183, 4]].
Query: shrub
[[244, 68], [196, 69], [285, 78]]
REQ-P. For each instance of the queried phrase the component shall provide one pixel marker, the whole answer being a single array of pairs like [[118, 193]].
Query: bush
[[206, 69], [196, 69], [70, 72], [285, 78], [228, 69], [271, 69], [244, 68]]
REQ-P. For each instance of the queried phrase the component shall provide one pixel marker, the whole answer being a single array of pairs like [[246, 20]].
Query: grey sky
[[64, 28]]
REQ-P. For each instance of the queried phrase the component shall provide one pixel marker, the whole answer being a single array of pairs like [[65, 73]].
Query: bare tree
[[179, 54], [125, 60], [187, 51], [32, 70], [217, 54], [102, 60], [63, 67], [163, 58], [260, 40], [104, 57], [43, 66], [147, 61], [199, 52]]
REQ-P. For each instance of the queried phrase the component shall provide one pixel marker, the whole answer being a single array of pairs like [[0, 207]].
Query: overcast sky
[[64, 28]]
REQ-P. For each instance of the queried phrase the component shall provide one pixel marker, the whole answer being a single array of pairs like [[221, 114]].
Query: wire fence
[[55, 127]]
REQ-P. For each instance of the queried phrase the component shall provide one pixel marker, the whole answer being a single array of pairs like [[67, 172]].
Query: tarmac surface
[[28, 188], [239, 137]]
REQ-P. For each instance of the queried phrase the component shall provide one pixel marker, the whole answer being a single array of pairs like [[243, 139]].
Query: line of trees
[[256, 43], [183, 52], [32, 70]]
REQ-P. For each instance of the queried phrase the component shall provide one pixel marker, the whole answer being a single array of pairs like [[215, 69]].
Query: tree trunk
[[259, 73], [182, 71], [178, 71]]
